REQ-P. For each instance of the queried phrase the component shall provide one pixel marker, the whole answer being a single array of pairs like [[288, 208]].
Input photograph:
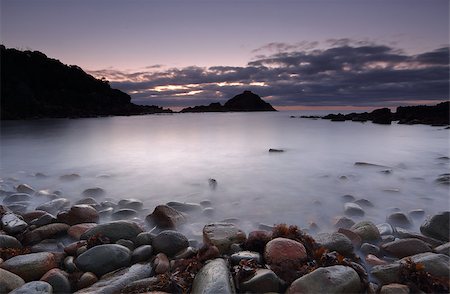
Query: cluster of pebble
[[98, 246]]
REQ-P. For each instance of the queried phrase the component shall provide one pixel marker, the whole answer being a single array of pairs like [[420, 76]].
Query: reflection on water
[[162, 158]]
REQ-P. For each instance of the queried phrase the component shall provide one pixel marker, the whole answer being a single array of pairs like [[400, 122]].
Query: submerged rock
[[332, 279], [94, 192], [24, 188], [437, 226], [399, 219], [214, 277], [17, 197], [353, 209]]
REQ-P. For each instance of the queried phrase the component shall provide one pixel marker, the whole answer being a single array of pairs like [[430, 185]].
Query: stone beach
[[94, 244]]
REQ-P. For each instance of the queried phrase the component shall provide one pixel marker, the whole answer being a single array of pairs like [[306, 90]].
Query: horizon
[[351, 55]]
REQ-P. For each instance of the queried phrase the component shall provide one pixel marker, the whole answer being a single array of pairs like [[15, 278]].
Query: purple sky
[[182, 53]]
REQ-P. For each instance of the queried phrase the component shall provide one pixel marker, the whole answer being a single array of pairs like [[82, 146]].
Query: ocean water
[[161, 158]]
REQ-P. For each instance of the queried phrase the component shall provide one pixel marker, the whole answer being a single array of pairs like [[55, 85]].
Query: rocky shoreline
[[98, 245]]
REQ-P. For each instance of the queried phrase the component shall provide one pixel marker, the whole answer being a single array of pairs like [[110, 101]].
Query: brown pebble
[[355, 238], [86, 280], [161, 263], [373, 260]]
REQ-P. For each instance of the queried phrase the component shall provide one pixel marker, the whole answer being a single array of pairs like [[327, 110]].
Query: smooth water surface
[[161, 158]]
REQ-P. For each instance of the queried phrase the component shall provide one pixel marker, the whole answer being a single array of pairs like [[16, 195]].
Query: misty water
[[161, 158]]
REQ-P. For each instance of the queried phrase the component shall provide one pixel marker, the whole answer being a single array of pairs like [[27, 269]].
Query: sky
[[294, 54]]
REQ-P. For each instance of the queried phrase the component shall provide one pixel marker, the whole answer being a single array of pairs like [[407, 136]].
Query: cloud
[[348, 72]]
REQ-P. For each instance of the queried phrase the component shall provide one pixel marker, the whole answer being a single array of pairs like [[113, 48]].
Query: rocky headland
[[246, 101], [35, 86], [50, 243], [437, 115]]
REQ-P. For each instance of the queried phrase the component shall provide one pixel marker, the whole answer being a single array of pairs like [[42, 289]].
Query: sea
[[163, 158]]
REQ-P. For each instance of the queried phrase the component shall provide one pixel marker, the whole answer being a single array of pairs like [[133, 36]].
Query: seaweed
[[7, 253], [416, 278], [97, 239]]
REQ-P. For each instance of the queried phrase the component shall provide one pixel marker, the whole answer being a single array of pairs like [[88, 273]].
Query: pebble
[[364, 203], [30, 266], [343, 222], [385, 229], [32, 215], [161, 264], [335, 242], [43, 220], [24, 188], [9, 281], [7, 241], [54, 206], [222, 235], [144, 238], [399, 219], [213, 278], [245, 255], [354, 237], [35, 287], [443, 249], [169, 242], [48, 245], [367, 231], [123, 214], [17, 197], [437, 226], [45, 232], [332, 279], [281, 250], [367, 249], [263, 281], [394, 288], [165, 217], [69, 264], [88, 201], [12, 224], [131, 204], [103, 259], [374, 260], [76, 231], [87, 279], [127, 243], [114, 230], [142, 253], [94, 192], [185, 207], [58, 279]]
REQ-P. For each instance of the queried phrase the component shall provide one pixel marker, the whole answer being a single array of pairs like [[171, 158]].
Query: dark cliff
[[247, 101], [35, 86]]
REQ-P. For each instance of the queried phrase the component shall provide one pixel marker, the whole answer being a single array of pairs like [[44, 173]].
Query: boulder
[[30, 266], [103, 259], [77, 214], [9, 281], [437, 226], [169, 242], [165, 217], [332, 279], [222, 235], [214, 277], [114, 231]]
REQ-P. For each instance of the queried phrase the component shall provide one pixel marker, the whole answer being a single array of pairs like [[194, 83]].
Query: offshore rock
[[103, 259], [214, 277], [332, 279]]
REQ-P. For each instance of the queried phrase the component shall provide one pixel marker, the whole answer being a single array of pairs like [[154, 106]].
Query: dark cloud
[[347, 73]]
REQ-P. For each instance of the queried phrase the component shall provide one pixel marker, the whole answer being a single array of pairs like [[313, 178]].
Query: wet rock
[[69, 177], [7, 241], [77, 230], [208, 252], [399, 219], [94, 192], [185, 207], [367, 249], [78, 214], [332, 279], [123, 214], [126, 243], [131, 204], [19, 207], [103, 259], [30, 266], [35, 287], [394, 289], [43, 220], [9, 281], [48, 245], [165, 217], [343, 222], [208, 211], [353, 209], [144, 238], [405, 247], [367, 231], [88, 201], [436, 264], [364, 203], [86, 280], [142, 253], [114, 231], [416, 214], [214, 277], [169, 242], [280, 251], [443, 179], [263, 281], [257, 240], [354, 237], [58, 280], [45, 232], [374, 260], [32, 215], [335, 242], [105, 212], [348, 198], [186, 253], [222, 235], [116, 281], [385, 229], [54, 206], [443, 249], [71, 249], [437, 226], [12, 224], [161, 264], [69, 264], [245, 255], [206, 203], [212, 184], [17, 197], [24, 188]]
